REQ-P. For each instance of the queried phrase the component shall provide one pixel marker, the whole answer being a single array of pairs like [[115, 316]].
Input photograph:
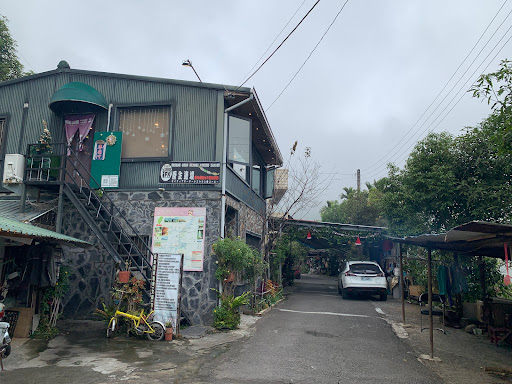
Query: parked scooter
[[5, 340]]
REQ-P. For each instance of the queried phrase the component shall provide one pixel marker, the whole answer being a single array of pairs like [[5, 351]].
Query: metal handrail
[[118, 211], [85, 184]]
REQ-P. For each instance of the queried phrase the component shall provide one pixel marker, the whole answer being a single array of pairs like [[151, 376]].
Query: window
[[145, 131], [269, 183], [239, 144], [256, 179]]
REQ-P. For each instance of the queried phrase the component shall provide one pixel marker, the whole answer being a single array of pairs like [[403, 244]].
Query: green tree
[[356, 207], [496, 88], [10, 66]]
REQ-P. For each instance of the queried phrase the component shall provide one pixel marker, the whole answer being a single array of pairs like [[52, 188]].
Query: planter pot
[[230, 278], [124, 276], [168, 334]]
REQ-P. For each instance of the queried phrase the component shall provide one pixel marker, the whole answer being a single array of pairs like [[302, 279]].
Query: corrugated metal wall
[[193, 121]]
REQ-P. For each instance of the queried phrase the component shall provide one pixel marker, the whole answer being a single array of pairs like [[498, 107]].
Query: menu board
[[181, 230], [166, 287]]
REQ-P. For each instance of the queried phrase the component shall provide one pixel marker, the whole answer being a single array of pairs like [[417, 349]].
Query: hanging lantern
[[358, 241], [308, 236]]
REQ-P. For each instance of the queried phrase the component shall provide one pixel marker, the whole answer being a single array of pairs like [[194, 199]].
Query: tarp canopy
[[476, 238], [77, 97], [26, 233]]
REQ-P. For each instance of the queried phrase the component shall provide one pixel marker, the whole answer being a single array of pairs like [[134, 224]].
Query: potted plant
[[168, 331], [124, 276]]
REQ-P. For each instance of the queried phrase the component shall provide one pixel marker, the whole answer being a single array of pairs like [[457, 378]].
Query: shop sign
[[189, 173]]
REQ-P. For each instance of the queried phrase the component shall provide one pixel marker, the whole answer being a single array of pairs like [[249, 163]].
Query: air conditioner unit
[[14, 168]]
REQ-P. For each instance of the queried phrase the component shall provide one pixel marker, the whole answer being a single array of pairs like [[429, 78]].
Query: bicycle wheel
[[111, 328], [159, 331]]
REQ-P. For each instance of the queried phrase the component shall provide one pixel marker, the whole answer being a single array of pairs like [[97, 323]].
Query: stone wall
[[198, 300], [249, 219], [91, 270]]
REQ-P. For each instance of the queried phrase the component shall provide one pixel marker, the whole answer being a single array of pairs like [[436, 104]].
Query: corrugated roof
[[11, 210], [14, 229], [476, 238]]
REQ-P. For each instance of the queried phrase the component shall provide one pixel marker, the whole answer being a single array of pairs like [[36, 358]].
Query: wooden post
[[430, 318], [402, 282]]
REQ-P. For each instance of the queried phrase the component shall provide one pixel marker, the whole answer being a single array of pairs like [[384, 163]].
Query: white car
[[362, 277]]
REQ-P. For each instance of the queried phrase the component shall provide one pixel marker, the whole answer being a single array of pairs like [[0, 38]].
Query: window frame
[[258, 161], [248, 170], [119, 108]]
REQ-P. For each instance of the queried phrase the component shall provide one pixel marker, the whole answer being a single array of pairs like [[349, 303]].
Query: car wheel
[[339, 289], [383, 297], [344, 294]]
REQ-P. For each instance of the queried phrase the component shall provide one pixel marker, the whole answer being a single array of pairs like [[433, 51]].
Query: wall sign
[[165, 292], [189, 173], [106, 159], [181, 230]]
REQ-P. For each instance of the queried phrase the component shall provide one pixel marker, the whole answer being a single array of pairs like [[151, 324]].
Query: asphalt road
[[314, 336]]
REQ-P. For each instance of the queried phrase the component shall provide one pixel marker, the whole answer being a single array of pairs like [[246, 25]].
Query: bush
[[227, 314]]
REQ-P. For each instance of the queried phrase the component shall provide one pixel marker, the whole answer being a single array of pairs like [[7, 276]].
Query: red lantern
[[358, 241], [308, 236]]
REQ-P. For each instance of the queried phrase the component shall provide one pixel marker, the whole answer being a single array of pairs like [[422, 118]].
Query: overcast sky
[[371, 78]]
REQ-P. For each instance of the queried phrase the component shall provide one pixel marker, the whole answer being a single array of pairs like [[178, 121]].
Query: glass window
[[239, 138], [145, 131], [269, 184], [256, 179]]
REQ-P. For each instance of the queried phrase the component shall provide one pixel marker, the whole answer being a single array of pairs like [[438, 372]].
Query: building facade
[[180, 144]]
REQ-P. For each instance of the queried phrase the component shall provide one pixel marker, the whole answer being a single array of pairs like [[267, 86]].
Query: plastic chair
[[423, 301]]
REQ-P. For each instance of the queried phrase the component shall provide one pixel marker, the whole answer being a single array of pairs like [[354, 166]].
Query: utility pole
[[358, 180]]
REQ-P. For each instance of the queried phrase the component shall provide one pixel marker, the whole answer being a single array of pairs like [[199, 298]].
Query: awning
[[476, 238], [26, 233], [77, 97]]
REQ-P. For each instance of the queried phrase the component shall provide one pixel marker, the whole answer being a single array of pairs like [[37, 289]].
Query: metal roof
[[14, 230], [11, 209], [476, 238], [339, 226]]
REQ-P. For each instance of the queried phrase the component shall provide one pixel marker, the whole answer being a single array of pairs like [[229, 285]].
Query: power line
[[464, 93], [444, 87], [305, 61], [271, 44], [280, 45]]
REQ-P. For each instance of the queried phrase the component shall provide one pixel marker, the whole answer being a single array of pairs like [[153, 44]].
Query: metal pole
[[402, 282], [58, 224], [430, 318]]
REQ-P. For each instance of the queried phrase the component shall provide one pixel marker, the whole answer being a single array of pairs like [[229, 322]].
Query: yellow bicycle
[[142, 324]]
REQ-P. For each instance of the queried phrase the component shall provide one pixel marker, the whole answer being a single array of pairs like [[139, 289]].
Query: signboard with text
[[189, 173], [165, 294], [181, 230]]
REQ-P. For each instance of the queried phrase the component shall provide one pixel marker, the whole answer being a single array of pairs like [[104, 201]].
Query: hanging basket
[[124, 276]]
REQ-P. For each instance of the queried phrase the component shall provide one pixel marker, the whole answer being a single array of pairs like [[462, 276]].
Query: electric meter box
[[14, 168]]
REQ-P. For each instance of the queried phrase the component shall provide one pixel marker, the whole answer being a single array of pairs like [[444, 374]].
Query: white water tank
[[14, 168]]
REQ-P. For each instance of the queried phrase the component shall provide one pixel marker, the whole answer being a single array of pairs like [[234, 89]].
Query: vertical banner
[[168, 272], [181, 230]]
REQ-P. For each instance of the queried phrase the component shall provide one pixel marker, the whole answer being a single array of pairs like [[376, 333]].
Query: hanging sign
[[189, 173], [181, 230], [166, 288]]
